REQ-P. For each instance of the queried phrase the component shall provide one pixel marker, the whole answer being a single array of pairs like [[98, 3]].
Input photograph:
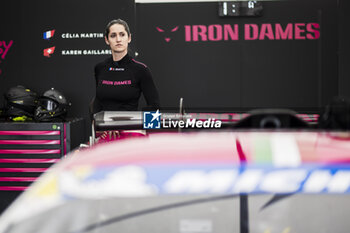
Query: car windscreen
[[196, 213]]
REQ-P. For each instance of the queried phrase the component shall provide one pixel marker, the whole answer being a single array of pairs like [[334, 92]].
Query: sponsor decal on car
[[137, 181]]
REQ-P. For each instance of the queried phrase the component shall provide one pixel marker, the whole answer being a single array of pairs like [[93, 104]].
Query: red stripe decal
[[241, 154]]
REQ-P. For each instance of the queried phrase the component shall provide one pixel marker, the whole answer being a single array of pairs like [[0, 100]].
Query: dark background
[[297, 74]]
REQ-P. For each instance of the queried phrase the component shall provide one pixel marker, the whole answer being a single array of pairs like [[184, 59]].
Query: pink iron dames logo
[[228, 32], [167, 35], [4, 48]]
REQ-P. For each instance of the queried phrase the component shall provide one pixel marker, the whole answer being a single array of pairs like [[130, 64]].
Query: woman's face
[[118, 38]]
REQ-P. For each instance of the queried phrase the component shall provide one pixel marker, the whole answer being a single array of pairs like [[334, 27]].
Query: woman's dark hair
[[117, 21]]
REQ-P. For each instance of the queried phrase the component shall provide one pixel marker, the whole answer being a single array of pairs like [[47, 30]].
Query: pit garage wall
[[241, 73], [216, 70]]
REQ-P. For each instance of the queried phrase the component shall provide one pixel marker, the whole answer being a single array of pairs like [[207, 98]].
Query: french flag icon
[[49, 34]]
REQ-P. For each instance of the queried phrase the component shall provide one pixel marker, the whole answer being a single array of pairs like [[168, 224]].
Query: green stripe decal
[[262, 149]]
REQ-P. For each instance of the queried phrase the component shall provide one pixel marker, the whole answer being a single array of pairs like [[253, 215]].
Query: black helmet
[[52, 106], [20, 103]]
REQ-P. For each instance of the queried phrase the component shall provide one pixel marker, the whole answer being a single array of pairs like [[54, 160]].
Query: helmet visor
[[49, 105]]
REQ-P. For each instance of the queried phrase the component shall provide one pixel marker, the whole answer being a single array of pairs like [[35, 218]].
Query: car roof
[[252, 147]]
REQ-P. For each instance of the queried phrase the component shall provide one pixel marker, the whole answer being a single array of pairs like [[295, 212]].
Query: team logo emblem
[[167, 34]]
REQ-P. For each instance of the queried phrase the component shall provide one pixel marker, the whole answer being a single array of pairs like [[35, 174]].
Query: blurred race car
[[197, 182]]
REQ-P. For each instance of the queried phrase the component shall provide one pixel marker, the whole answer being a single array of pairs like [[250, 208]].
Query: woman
[[120, 79]]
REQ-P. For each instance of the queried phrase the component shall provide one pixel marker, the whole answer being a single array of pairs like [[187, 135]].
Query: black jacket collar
[[126, 59]]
